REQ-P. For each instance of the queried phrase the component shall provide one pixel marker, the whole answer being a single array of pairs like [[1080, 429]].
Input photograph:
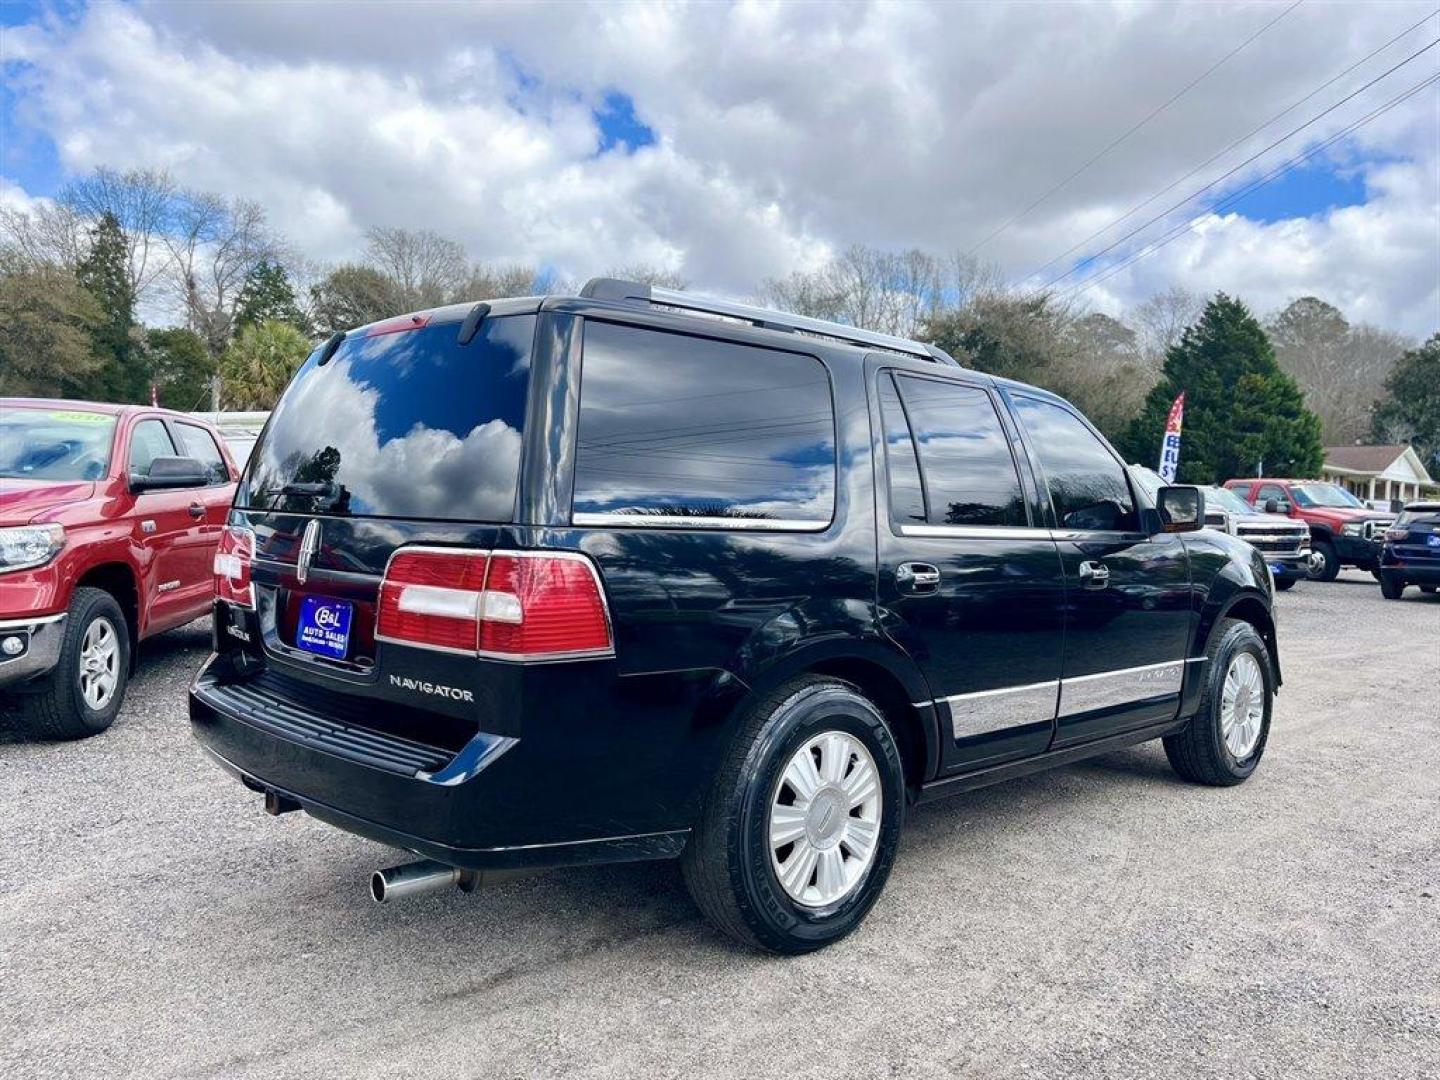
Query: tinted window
[[409, 424], [148, 440], [1271, 491], [907, 500], [1087, 484], [965, 458], [672, 425], [197, 443]]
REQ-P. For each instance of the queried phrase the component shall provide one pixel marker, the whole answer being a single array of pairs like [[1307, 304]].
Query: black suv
[[637, 575]]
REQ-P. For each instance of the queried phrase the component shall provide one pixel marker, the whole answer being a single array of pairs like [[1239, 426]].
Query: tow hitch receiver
[[277, 804]]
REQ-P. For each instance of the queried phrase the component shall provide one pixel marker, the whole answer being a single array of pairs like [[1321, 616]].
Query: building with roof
[[1392, 474]]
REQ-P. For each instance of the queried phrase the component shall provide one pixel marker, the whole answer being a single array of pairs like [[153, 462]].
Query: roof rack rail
[[634, 291]]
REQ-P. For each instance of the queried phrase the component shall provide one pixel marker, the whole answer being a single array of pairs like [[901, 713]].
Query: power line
[[1219, 154], [1275, 174], [1151, 116], [1232, 171]]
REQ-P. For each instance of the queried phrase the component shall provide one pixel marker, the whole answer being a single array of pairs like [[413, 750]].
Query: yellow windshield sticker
[[81, 417]]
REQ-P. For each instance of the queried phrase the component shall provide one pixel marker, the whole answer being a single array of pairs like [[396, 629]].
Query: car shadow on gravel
[[190, 641]]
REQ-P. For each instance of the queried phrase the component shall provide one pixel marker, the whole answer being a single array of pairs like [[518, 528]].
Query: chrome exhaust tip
[[417, 878]]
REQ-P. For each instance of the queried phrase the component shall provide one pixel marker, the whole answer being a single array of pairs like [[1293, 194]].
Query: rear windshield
[[1419, 515], [58, 444], [409, 424]]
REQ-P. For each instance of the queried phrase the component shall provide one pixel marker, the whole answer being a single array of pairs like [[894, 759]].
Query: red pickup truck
[[109, 520], [1343, 530]]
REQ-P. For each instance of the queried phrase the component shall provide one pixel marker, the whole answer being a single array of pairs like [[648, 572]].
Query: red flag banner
[[1170, 445]]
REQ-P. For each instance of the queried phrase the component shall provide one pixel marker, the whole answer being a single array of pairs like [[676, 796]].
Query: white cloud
[[784, 130]]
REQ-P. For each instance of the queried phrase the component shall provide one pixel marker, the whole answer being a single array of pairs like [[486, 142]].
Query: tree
[[426, 268], [180, 368], [46, 319], [1161, 320], [1101, 369], [649, 274], [121, 375], [1241, 410], [891, 292], [1410, 410], [141, 203], [486, 282], [214, 244], [258, 364], [1017, 336], [267, 296], [1340, 367], [350, 296]]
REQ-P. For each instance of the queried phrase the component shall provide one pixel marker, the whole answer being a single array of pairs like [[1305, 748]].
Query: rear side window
[[902, 466], [673, 426], [197, 443], [965, 459], [409, 424], [1087, 483], [149, 440]]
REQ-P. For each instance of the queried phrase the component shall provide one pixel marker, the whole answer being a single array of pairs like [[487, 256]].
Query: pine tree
[[181, 368], [268, 296], [1410, 410], [121, 374], [1241, 410]]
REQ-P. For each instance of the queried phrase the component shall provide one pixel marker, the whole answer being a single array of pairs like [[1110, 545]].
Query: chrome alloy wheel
[[825, 819], [99, 663], [1242, 705]]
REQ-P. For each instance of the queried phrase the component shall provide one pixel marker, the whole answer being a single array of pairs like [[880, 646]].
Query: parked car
[[1411, 555], [1343, 531], [638, 575], [1285, 544], [109, 519]]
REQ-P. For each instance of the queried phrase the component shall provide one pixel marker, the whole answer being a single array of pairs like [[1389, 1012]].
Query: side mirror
[[1272, 506], [1181, 507], [170, 472]]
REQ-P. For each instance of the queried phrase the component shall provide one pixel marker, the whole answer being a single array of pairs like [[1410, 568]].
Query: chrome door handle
[[1094, 575], [917, 577]]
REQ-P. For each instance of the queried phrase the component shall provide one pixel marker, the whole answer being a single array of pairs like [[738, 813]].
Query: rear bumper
[[485, 808], [1414, 571], [40, 637]]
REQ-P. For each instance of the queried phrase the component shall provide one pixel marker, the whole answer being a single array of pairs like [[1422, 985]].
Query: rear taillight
[[1396, 534], [509, 605], [233, 561]]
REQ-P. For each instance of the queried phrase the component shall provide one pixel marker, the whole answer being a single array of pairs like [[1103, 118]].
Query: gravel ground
[[1100, 920]]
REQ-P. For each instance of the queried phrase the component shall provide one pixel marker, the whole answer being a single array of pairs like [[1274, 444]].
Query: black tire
[[1328, 568], [727, 864], [1285, 584], [57, 709], [1391, 587], [1198, 752]]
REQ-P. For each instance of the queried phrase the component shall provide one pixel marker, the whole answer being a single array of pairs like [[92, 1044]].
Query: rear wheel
[[1225, 740], [801, 826], [1327, 564], [82, 696], [1391, 587], [1284, 583]]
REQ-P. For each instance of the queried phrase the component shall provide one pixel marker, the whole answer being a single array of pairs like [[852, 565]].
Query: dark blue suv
[[638, 575], [1411, 555]]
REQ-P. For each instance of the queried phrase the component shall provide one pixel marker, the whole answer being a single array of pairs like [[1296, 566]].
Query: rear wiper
[[314, 491]]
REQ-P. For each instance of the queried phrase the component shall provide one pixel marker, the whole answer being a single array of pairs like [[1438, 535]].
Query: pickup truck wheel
[[1225, 740], [82, 696], [1327, 565], [801, 826], [1391, 587]]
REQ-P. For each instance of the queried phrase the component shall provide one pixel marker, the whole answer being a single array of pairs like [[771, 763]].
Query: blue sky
[[731, 144]]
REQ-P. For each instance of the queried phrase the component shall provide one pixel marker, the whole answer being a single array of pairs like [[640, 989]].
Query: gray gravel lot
[[1101, 920]]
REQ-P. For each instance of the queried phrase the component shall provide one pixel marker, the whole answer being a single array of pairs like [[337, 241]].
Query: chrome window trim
[[977, 532], [590, 519]]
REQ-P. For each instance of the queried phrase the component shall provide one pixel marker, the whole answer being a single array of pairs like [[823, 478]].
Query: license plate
[[1433, 540], [324, 627]]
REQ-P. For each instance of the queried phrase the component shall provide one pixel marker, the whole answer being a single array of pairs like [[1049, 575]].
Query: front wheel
[[82, 696], [801, 826], [1224, 741], [1326, 566], [1391, 587]]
